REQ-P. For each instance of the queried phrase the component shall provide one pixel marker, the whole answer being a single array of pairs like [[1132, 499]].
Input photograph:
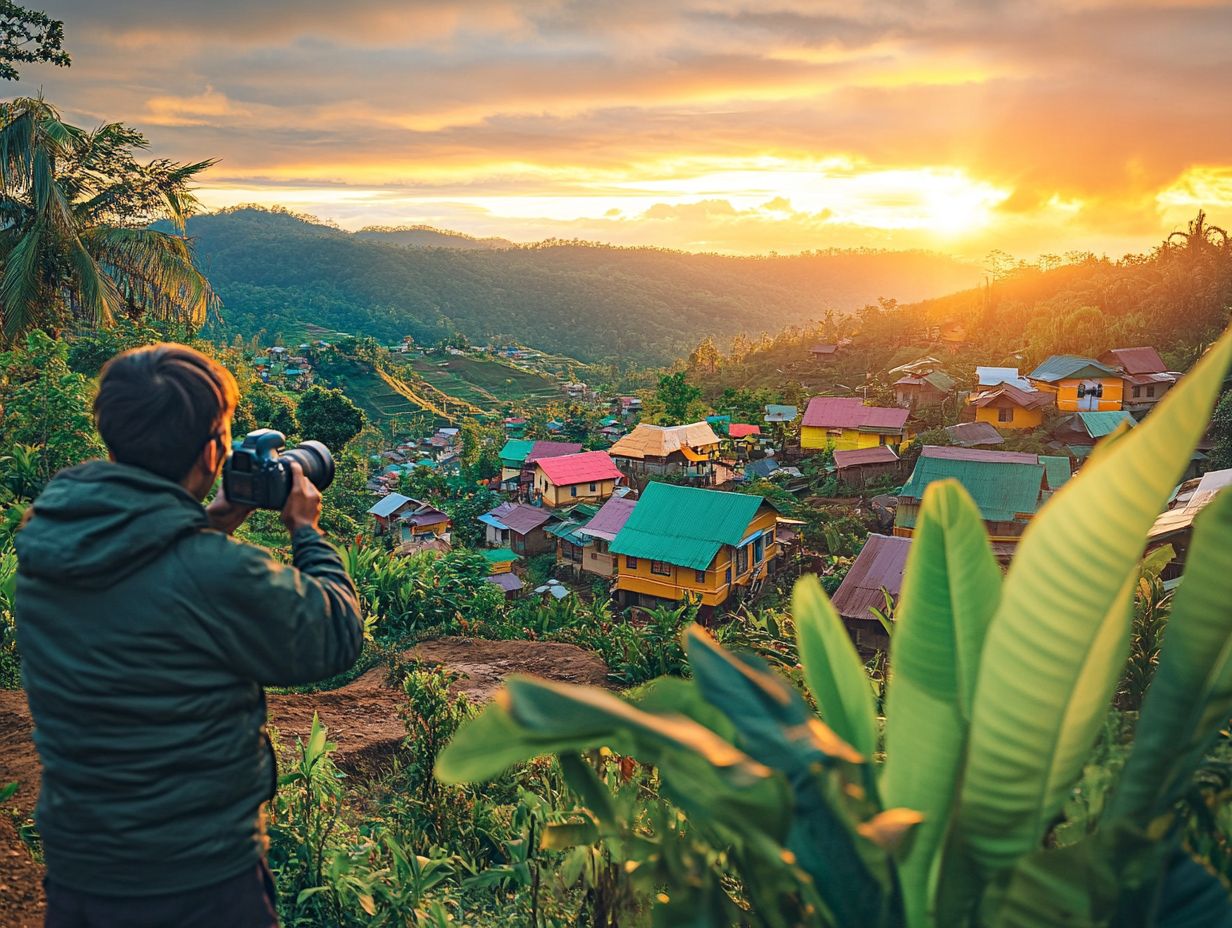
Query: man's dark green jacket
[[145, 638]]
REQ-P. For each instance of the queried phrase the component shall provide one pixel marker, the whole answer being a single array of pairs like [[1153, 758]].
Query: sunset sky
[[725, 125]]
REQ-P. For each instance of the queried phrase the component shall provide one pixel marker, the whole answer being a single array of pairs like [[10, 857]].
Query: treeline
[[1175, 298], [275, 270]]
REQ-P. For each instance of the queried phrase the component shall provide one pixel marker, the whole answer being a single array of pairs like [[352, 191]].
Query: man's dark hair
[[158, 406]]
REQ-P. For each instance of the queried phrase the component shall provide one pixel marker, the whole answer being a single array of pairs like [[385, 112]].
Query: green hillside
[[485, 383], [274, 270]]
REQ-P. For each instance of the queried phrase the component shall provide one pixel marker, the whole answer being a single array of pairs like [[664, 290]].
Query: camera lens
[[315, 459]]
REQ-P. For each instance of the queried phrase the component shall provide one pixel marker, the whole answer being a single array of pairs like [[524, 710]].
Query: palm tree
[[1198, 235], [75, 237]]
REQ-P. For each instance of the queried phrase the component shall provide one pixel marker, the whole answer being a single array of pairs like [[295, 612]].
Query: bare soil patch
[[362, 718]]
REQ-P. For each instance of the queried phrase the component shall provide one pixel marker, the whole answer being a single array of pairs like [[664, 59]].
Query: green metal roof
[[499, 555], [1069, 367], [941, 380], [568, 532], [685, 526], [1099, 424], [1057, 469], [515, 451], [1001, 489]]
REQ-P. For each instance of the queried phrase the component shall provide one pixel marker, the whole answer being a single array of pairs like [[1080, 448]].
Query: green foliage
[[28, 36], [1000, 692], [46, 406], [77, 246], [328, 416], [1221, 433], [679, 399]]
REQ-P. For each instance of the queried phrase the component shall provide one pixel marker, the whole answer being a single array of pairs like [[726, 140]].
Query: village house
[[386, 510], [500, 572], [1079, 384], [844, 423], [574, 478], [571, 548], [1145, 378], [876, 572], [1081, 431], [627, 406], [681, 542], [1010, 407], [518, 456], [601, 532], [679, 450], [1175, 525], [1008, 487], [412, 520], [823, 352], [862, 466], [921, 383], [518, 527]]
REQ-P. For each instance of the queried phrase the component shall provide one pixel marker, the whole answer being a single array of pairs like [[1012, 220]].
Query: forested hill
[[276, 271], [428, 237]]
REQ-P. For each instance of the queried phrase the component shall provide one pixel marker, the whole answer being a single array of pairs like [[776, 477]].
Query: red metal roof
[[880, 564], [1142, 360], [883, 454], [849, 412], [740, 430], [551, 449], [587, 467]]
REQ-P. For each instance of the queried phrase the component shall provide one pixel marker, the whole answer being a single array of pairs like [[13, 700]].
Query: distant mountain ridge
[[429, 237], [597, 303]]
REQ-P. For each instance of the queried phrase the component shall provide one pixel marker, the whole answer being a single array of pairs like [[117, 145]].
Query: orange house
[[1079, 384]]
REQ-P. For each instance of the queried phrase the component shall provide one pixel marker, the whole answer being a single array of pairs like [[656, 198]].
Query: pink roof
[[882, 454], [881, 563], [610, 518], [740, 430], [849, 412], [551, 449], [587, 467]]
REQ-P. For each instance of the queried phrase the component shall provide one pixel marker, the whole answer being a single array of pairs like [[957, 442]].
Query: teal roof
[[499, 555], [1069, 367], [515, 451], [1001, 489], [1099, 424], [941, 380], [568, 532], [1057, 470], [685, 526]]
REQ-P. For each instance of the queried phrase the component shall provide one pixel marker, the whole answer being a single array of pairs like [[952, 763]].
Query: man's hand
[[303, 506], [224, 515]]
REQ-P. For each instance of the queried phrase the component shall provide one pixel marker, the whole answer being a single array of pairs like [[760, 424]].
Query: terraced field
[[488, 384], [365, 387]]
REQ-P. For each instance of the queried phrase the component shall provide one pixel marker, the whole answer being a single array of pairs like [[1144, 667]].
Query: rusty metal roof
[[881, 563], [968, 434], [1141, 360], [882, 454]]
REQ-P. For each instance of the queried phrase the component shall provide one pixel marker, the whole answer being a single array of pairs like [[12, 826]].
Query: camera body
[[258, 473]]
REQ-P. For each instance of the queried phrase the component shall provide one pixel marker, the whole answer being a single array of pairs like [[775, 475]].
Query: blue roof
[[386, 506], [493, 521]]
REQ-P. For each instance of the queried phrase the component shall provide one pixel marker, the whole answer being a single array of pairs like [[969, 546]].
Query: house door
[[1088, 396]]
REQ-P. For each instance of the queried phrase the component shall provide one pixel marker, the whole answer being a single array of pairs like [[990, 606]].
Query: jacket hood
[[98, 522]]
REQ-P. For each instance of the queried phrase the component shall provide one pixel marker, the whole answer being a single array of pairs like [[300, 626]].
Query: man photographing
[[146, 634]]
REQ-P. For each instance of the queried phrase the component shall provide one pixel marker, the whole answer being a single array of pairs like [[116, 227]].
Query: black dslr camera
[[258, 474]]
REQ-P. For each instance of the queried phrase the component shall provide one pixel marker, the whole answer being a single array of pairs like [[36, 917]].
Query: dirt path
[[362, 718]]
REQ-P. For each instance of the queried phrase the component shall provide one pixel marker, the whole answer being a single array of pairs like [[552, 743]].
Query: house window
[[662, 568], [592, 488], [1005, 414], [1137, 392], [727, 576], [699, 576], [1150, 391], [573, 491], [631, 563], [742, 559], [759, 548], [881, 439]]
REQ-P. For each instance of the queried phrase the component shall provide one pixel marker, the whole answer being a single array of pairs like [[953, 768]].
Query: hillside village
[[717, 511]]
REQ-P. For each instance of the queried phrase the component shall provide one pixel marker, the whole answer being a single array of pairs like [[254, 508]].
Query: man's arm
[[283, 625]]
